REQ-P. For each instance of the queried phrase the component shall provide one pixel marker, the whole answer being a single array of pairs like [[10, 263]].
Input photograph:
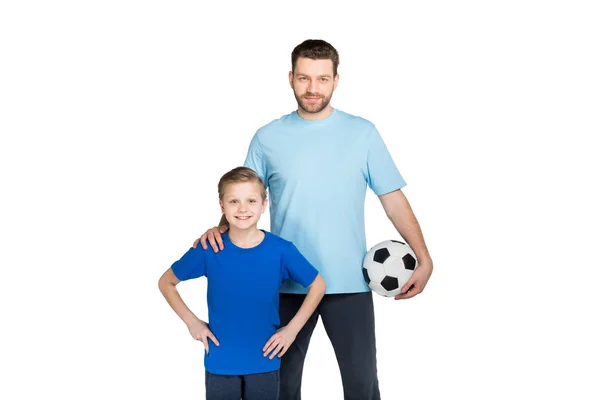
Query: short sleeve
[[382, 174], [255, 159], [191, 265], [296, 267]]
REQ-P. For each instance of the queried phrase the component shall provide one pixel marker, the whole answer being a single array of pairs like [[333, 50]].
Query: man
[[317, 162]]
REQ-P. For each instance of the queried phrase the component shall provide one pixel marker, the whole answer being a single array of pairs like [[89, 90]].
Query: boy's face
[[242, 204], [313, 83]]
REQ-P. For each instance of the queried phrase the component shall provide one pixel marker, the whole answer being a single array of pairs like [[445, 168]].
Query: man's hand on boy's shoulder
[[214, 238]]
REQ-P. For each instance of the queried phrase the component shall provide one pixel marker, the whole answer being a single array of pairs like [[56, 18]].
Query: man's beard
[[312, 108]]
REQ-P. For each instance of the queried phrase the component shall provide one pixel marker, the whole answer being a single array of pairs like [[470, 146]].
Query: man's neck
[[246, 238], [325, 113]]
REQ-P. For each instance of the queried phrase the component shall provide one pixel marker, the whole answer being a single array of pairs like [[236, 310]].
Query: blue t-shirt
[[317, 173], [243, 298]]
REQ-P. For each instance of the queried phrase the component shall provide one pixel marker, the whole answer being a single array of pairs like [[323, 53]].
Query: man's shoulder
[[356, 120], [275, 123]]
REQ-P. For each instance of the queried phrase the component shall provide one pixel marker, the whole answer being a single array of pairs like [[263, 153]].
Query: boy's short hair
[[316, 49], [241, 174]]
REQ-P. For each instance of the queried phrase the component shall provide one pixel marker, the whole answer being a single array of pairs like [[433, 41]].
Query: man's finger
[[407, 286], [223, 229], [203, 241], [412, 292], [196, 243], [205, 341], [213, 243]]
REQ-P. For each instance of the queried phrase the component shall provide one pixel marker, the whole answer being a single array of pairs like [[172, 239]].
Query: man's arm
[[398, 210]]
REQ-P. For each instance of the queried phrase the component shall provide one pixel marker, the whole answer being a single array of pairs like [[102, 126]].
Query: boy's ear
[[265, 204], [221, 205]]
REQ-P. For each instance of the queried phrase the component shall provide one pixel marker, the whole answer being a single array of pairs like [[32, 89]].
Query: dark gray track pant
[[349, 321]]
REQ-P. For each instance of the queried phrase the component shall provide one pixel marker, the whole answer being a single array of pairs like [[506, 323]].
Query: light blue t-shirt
[[317, 174]]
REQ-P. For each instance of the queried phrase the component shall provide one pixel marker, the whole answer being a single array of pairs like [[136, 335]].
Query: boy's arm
[[167, 285], [316, 291], [281, 341], [198, 328]]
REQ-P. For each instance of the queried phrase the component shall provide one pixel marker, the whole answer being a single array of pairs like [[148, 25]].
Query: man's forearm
[[401, 214]]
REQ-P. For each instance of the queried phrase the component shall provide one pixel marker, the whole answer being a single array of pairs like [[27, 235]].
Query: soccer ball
[[388, 266]]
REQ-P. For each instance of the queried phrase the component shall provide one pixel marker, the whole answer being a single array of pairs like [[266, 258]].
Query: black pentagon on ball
[[366, 275], [381, 255], [409, 262], [389, 283]]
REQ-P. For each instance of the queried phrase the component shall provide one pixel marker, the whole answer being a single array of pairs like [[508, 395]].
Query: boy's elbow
[[165, 281], [161, 284]]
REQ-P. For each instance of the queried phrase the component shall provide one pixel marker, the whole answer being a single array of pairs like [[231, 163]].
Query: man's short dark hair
[[316, 49]]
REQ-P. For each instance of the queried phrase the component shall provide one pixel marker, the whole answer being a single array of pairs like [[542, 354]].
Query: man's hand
[[214, 238], [199, 331], [280, 342], [417, 281]]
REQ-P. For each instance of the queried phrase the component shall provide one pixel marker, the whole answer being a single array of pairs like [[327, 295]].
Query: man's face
[[313, 83]]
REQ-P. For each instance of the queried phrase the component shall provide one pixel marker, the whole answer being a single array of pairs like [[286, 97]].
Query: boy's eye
[[233, 201], [252, 201]]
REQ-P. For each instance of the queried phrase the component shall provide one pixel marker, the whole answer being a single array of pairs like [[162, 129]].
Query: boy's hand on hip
[[280, 342], [199, 331]]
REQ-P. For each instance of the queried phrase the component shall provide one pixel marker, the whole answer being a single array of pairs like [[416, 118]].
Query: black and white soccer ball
[[387, 266]]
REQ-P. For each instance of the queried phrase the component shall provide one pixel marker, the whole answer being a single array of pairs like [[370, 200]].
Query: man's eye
[[252, 201]]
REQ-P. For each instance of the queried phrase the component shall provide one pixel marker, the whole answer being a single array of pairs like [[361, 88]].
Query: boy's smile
[[243, 205]]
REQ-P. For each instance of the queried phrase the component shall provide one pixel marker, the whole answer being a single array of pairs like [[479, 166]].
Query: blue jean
[[263, 386]]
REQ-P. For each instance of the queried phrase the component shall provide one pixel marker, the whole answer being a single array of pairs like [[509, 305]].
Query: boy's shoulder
[[278, 241]]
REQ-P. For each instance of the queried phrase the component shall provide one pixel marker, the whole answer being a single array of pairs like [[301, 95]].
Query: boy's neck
[[246, 238]]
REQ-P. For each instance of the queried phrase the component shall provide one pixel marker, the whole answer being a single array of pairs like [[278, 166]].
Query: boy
[[242, 357]]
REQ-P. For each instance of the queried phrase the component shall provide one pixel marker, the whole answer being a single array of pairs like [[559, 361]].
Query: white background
[[118, 118]]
